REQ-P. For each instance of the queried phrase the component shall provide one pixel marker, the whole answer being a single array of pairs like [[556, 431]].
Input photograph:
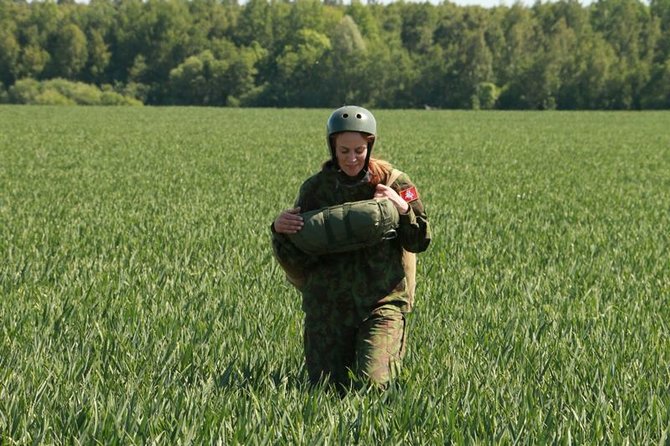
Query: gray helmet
[[351, 118]]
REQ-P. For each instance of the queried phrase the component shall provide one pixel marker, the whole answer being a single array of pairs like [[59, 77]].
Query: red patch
[[410, 194]]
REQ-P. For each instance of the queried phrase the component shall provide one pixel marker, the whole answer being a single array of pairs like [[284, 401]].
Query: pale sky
[[491, 3], [484, 3]]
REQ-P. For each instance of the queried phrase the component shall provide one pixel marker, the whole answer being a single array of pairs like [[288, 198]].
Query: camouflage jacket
[[357, 281]]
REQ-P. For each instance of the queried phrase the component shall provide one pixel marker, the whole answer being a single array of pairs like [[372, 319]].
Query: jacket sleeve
[[414, 229], [295, 263]]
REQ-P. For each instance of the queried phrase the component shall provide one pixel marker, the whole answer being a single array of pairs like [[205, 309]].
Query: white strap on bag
[[408, 258]]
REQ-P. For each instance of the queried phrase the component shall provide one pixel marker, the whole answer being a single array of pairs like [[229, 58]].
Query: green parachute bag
[[347, 227]]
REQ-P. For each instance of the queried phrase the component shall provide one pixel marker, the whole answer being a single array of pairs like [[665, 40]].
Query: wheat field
[[140, 303]]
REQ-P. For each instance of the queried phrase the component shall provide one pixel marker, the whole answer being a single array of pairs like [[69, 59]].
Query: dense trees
[[613, 54]]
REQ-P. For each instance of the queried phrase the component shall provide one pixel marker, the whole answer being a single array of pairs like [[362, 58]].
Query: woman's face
[[351, 149]]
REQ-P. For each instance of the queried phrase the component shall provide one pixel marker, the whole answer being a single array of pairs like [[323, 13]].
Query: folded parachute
[[347, 227]]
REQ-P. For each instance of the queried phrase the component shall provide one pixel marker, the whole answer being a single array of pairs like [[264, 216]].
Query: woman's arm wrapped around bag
[[293, 261], [414, 229]]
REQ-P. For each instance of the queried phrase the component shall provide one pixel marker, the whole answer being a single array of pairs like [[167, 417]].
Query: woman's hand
[[289, 221], [383, 191]]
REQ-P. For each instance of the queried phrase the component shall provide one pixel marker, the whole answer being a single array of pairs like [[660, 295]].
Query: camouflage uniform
[[354, 302]]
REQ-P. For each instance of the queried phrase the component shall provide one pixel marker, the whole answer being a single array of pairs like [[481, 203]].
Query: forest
[[609, 55]]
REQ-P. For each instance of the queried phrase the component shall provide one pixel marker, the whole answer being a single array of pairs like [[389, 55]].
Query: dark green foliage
[[63, 92], [612, 54]]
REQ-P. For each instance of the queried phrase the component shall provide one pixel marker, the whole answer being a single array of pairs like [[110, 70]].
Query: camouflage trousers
[[351, 354]]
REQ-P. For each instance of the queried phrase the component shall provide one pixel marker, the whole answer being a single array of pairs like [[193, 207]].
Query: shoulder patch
[[410, 194]]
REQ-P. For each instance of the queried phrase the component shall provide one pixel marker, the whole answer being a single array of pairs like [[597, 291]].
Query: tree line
[[612, 54]]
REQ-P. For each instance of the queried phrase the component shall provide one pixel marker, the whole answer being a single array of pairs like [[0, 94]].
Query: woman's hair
[[379, 171]]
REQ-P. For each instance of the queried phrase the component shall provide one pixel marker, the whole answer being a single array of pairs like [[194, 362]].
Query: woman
[[354, 302]]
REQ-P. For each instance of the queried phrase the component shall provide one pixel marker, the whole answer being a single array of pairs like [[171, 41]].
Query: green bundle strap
[[347, 227]]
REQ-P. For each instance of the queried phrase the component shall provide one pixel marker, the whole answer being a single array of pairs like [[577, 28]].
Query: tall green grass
[[139, 301]]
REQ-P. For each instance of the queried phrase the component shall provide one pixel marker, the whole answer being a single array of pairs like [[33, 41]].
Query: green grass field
[[140, 303]]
